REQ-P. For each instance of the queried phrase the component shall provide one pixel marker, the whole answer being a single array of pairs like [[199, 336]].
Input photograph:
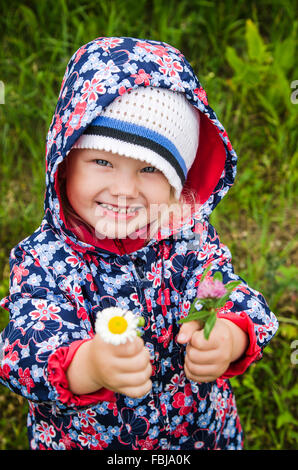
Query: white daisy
[[116, 326]]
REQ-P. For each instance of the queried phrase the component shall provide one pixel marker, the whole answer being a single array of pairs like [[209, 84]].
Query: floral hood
[[103, 69]]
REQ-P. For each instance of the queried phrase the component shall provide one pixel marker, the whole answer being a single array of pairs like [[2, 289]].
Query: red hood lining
[[209, 163]]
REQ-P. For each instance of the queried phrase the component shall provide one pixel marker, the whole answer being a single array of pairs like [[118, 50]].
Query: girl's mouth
[[119, 212]]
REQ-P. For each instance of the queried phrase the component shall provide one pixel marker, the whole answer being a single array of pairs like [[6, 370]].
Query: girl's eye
[[101, 162], [149, 169]]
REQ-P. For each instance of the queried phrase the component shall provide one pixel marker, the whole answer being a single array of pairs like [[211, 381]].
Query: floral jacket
[[59, 281]]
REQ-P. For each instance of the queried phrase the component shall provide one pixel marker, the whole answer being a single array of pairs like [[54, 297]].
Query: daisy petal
[[116, 326]]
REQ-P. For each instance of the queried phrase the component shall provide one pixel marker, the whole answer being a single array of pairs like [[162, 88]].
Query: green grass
[[245, 54]]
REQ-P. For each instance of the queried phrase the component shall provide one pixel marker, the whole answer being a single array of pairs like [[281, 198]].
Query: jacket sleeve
[[246, 307], [45, 329]]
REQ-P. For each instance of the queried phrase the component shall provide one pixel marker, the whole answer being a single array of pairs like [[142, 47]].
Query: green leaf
[[285, 51], [201, 315], [232, 285], [255, 45], [235, 62], [284, 419], [217, 276], [222, 301], [206, 271], [193, 307], [207, 303], [209, 325]]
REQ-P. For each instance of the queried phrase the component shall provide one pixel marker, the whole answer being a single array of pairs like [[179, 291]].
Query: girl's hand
[[124, 368], [206, 360]]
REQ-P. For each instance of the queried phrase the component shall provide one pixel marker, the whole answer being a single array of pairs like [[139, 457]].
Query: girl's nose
[[125, 184]]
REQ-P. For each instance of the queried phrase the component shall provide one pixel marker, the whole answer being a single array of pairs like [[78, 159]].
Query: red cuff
[[252, 352], [58, 364]]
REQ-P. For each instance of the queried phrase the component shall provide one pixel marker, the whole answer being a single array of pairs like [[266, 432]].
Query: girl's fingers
[[201, 373], [198, 341], [129, 349], [137, 391], [187, 330], [201, 369], [137, 364], [134, 363], [198, 356], [204, 372], [131, 379]]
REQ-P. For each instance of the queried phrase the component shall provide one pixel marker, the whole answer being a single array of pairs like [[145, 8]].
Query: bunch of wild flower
[[212, 294]]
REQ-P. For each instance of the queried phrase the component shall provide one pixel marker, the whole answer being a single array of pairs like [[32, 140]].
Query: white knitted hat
[[155, 125]]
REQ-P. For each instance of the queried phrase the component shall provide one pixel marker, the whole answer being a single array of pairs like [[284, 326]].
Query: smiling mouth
[[119, 210]]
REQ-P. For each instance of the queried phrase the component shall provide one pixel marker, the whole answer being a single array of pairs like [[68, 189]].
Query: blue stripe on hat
[[127, 127]]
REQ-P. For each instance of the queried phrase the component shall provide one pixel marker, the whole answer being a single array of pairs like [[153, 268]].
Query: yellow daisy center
[[117, 325]]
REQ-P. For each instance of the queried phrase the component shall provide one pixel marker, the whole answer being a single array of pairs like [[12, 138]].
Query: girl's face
[[114, 194]]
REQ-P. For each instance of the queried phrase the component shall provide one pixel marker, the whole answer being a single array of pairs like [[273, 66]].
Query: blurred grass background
[[245, 54]]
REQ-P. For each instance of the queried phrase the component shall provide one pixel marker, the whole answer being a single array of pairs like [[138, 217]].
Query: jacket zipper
[[138, 265]]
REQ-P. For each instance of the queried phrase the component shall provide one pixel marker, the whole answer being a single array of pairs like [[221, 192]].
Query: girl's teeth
[[116, 209]]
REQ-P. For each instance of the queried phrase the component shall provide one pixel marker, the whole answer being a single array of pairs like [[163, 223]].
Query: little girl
[[132, 137]]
